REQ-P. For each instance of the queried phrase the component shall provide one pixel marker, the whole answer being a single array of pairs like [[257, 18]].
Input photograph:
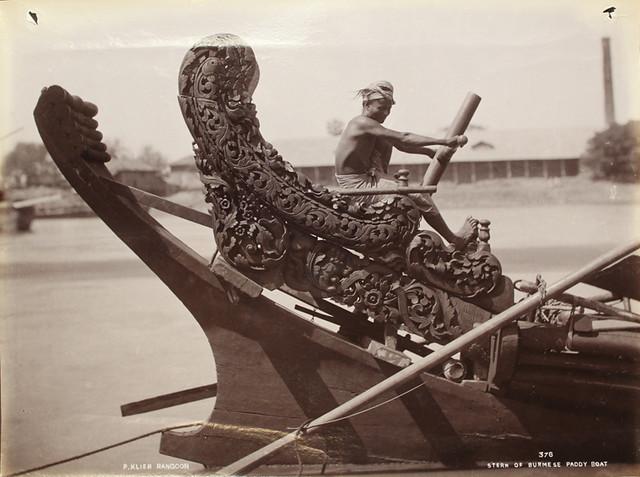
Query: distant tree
[[615, 153], [25, 157], [154, 158], [116, 149], [29, 164], [335, 127]]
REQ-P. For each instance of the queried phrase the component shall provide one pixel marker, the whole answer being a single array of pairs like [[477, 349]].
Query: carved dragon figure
[[269, 219]]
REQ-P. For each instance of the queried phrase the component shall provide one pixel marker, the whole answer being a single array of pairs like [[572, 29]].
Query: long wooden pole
[[254, 459], [459, 126], [382, 190]]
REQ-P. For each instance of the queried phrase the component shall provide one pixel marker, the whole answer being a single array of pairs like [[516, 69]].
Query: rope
[[300, 464], [300, 431], [363, 411], [542, 288], [302, 428], [102, 449]]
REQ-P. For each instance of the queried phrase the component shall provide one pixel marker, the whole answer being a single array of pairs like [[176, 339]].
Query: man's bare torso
[[357, 152]]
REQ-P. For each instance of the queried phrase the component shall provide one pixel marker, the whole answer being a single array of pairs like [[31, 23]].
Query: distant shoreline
[[513, 192], [536, 191]]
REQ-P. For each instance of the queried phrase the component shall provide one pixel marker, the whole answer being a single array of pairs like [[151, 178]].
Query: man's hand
[[457, 141]]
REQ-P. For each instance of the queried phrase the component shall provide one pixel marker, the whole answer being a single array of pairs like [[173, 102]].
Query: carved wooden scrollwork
[[463, 273], [373, 289], [248, 233], [217, 79], [267, 216]]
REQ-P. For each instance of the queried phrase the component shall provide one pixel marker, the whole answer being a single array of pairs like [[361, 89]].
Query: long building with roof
[[490, 154]]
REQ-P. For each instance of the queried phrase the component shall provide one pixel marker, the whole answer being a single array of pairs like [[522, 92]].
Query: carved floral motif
[[382, 294], [467, 273], [247, 232]]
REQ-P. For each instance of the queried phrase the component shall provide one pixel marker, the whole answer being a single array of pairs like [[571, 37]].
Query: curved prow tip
[[67, 126], [58, 93]]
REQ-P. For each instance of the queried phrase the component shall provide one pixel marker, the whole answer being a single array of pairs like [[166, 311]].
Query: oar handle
[[459, 126]]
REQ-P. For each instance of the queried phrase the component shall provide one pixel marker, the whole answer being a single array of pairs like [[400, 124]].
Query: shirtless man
[[364, 152]]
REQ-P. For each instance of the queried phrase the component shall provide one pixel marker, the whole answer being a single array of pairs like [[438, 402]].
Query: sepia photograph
[[320, 238]]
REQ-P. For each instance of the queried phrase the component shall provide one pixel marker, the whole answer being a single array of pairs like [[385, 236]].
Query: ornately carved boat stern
[[564, 377]]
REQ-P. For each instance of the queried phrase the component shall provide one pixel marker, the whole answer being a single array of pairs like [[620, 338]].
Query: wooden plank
[[155, 202], [231, 275], [353, 323], [389, 355], [574, 362], [169, 400], [622, 278]]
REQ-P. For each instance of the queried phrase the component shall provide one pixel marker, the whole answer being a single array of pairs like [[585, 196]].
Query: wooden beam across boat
[[169, 400], [156, 202], [401, 190], [621, 278]]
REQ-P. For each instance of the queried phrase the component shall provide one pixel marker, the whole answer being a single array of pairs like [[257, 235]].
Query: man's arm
[[427, 151], [405, 139]]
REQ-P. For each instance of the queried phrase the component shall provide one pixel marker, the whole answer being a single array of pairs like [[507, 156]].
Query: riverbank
[[537, 191], [517, 192]]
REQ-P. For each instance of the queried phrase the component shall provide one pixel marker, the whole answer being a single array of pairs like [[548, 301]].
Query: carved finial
[[484, 234], [402, 177]]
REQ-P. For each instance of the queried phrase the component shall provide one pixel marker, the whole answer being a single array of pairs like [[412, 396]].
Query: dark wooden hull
[[276, 370]]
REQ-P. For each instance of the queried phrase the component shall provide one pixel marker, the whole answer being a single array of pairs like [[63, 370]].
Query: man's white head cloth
[[377, 90]]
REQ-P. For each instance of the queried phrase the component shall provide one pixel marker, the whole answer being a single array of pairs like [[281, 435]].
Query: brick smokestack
[[609, 111]]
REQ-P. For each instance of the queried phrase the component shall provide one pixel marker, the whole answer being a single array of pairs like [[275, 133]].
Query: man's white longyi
[[372, 179]]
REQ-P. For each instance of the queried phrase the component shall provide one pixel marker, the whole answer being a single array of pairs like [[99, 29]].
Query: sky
[[536, 64]]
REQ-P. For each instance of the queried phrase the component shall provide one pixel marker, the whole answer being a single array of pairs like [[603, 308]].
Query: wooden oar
[[487, 328], [459, 126]]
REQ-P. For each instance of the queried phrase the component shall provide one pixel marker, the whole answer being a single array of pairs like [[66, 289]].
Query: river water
[[86, 327]]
